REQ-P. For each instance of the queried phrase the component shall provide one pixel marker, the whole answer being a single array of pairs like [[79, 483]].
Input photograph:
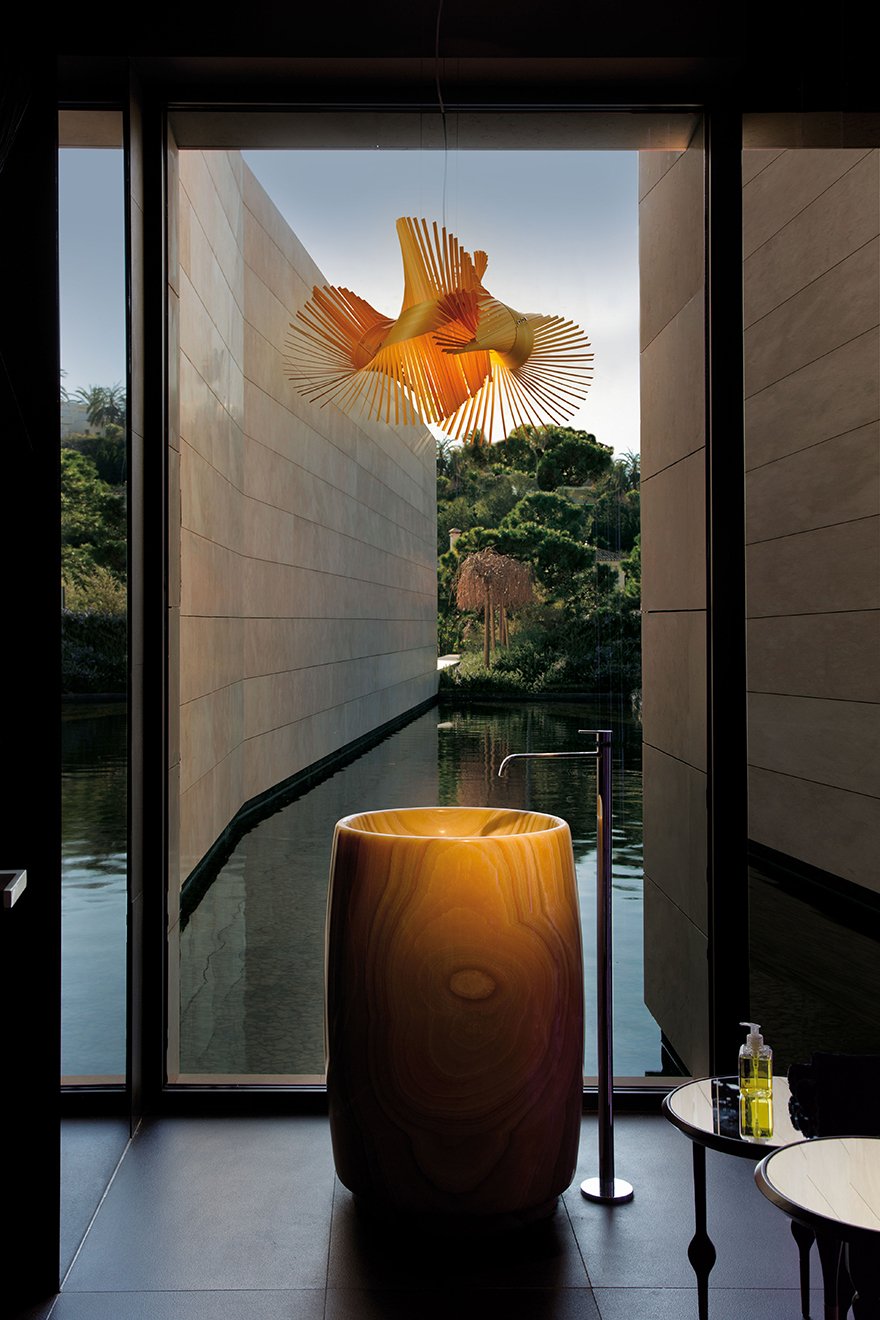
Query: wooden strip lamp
[[454, 1011], [455, 356]]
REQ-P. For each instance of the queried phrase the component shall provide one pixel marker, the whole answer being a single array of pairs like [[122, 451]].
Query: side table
[[831, 1186], [707, 1111]]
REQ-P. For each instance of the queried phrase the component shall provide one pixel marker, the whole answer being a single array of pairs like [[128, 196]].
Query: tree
[[630, 469], [93, 528], [517, 451], [615, 517], [106, 450], [555, 556], [632, 568], [105, 404], [571, 458], [548, 509]]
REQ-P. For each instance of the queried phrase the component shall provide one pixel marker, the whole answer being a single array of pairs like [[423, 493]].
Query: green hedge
[[94, 652]]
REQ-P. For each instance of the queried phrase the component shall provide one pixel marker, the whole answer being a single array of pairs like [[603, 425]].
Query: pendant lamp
[[455, 356]]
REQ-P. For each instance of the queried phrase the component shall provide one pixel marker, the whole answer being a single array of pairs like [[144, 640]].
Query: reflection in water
[[251, 961], [93, 891]]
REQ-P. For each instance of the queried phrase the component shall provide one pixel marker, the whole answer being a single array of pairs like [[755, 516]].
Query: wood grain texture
[[454, 1010]]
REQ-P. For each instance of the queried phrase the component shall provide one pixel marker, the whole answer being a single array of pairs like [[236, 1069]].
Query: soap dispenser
[[755, 1085]]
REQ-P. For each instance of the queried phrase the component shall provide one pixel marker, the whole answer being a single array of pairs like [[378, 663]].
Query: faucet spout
[[544, 756]]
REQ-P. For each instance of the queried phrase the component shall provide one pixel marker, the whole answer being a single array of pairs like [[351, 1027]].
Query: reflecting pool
[[93, 891], [251, 953]]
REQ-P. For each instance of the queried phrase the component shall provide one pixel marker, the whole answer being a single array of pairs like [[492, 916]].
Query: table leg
[[804, 1237], [830, 1251], [864, 1269], [701, 1251]]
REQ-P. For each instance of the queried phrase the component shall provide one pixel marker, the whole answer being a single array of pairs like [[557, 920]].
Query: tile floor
[[243, 1219]]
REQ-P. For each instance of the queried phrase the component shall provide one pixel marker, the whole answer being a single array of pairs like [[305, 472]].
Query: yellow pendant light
[[455, 356]]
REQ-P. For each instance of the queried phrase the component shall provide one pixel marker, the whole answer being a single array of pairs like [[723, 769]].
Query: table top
[[707, 1110], [830, 1183]]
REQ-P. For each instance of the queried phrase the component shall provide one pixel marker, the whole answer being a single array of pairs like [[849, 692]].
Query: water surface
[[251, 964], [93, 890]]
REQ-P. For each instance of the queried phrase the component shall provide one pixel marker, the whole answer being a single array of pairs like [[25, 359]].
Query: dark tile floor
[[243, 1219]]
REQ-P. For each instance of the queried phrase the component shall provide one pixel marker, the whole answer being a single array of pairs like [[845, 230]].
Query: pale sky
[[560, 228], [91, 267]]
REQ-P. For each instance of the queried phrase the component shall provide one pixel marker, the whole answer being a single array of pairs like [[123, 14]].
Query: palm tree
[[631, 465], [105, 405]]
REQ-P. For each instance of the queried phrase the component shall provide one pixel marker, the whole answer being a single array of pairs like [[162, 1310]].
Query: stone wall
[[303, 571], [673, 465], [812, 384]]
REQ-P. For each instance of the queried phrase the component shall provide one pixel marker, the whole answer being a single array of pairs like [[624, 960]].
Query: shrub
[[93, 589], [94, 652]]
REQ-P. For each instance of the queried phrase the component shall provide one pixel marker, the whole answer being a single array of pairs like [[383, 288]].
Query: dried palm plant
[[487, 579]]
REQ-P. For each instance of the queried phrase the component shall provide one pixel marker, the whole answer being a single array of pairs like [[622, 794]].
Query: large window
[[287, 651], [812, 390], [94, 471]]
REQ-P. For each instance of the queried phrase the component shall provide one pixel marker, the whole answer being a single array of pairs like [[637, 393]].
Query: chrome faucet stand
[[606, 1187]]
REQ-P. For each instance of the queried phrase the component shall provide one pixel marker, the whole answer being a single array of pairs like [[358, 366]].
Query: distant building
[[74, 418]]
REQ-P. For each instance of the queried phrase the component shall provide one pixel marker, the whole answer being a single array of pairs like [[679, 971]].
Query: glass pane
[[307, 607], [93, 601], [812, 301], [674, 605]]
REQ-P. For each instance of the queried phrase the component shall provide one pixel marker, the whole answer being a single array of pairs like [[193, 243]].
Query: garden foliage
[[578, 534]]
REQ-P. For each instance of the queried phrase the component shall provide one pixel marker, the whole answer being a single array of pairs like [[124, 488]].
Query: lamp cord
[[440, 103]]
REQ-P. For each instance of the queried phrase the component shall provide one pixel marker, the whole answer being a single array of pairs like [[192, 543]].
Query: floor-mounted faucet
[[606, 1187]]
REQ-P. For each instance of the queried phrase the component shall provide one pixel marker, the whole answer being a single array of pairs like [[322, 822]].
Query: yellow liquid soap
[[755, 1096]]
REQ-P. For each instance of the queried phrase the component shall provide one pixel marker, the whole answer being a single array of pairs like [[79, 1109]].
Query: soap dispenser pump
[[755, 1085]]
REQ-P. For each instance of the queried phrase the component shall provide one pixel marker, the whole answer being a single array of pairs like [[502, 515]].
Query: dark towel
[[836, 1095]]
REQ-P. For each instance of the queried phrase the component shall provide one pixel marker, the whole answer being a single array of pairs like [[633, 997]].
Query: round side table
[[831, 1186], [707, 1111]]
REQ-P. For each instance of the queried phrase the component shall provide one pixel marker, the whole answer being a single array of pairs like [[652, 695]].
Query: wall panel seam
[[657, 182], [218, 262], [813, 696], [820, 527], [311, 618], [809, 284], [305, 568], [856, 163], [326, 710], [779, 151], [816, 614], [819, 783], [327, 439], [677, 906], [306, 669], [235, 750], [698, 449], [804, 365], [681, 761], [698, 293], [805, 449], [220, 404]]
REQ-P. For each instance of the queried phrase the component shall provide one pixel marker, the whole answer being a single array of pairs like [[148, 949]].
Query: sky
[[91, 267], [560, 228]]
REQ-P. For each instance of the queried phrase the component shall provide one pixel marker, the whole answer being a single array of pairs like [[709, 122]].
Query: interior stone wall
[[673, 467], [303, 560], [812, 384]]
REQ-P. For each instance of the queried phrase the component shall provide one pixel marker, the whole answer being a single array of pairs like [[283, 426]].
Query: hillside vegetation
[[553, 506]]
